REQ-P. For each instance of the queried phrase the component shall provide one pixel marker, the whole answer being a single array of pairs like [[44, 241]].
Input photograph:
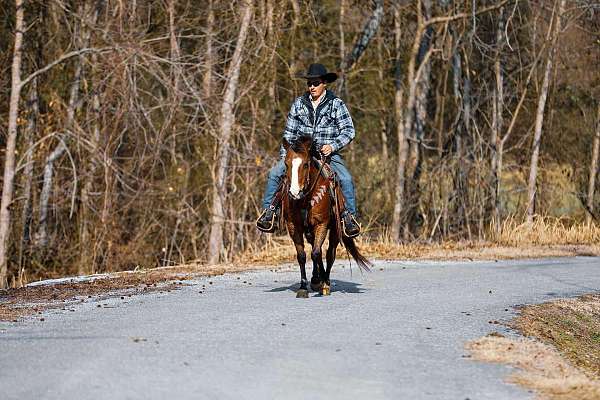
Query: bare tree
[[539, 117], [227, 118], [11, 143], [400, 180], [497, 118]]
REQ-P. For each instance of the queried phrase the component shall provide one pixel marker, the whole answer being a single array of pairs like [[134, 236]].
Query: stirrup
[[345, 232], [271, 228]]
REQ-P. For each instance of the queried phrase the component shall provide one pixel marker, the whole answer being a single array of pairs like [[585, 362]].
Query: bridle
[[311, 185]]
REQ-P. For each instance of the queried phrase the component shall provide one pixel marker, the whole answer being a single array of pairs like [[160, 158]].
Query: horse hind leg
[[330, 258], [317, 257]]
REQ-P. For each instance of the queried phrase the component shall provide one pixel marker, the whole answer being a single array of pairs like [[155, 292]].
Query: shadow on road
[[337, 286]]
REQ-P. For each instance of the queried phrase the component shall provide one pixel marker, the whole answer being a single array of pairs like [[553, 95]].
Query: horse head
[[297, 162]]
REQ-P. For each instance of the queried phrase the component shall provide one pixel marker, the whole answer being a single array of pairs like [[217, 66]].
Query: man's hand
[[326, 150]]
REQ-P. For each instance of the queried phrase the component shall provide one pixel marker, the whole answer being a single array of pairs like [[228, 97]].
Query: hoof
[[302, 294], [316, 286], [325, 290]]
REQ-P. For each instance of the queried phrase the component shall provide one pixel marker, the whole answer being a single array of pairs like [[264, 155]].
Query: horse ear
[[286, 144]]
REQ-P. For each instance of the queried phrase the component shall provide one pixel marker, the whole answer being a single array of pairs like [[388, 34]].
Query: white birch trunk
[[11, 143], [539, 117], [217, 220]]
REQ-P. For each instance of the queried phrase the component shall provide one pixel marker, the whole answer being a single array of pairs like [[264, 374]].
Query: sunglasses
[[313, 83]]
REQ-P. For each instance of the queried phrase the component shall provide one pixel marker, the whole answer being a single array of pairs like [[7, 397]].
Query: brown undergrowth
[[560, 357], [279, 249]]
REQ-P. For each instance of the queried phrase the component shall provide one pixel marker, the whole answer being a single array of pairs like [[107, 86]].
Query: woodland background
[[139, 133]]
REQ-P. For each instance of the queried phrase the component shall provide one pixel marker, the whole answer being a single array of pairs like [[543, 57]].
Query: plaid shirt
[[333, 122]]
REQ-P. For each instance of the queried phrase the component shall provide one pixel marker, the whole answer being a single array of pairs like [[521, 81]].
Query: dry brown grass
[[545, 231], [279, 249], [570, 325], [561, 357], [541, 367]]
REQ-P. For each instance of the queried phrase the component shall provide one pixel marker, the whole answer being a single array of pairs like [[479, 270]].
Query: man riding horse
[[321, 115]]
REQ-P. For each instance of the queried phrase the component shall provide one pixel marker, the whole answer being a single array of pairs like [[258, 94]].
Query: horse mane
[[302, 144]]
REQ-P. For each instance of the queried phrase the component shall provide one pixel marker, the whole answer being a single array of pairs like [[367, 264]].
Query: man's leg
[[346, 182], [266, 220], [347, 185]]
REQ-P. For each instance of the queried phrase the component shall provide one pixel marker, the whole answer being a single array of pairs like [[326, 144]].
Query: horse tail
[[361, 260]]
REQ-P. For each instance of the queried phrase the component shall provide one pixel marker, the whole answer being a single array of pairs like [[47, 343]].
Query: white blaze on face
[[295, 186]]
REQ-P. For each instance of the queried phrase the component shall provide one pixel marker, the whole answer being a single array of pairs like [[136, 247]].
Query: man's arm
[[290, 132], [345, 127]]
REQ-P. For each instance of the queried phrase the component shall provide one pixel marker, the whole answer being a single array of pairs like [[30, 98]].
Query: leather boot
[[267, 220], [350, 226]]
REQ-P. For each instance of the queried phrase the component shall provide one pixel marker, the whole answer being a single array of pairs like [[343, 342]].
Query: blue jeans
[[337, 164]]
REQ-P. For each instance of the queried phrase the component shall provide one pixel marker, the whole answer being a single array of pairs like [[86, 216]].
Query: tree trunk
[[342, 33], [419, 72], [217, 220], [382, 118], [87, 263], [33, 107], [539, 117], [400, 181], [593, 169], [497, 122], [11, 143], [30, 131], [207, 80], [361, 44], [294, 38]]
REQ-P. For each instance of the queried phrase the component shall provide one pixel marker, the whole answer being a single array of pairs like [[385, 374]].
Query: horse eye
[[305, 165]]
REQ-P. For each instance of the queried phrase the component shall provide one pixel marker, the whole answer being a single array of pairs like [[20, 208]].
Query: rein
[[312, 187]]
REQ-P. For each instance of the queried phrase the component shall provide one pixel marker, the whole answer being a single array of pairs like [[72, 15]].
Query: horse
[[311, 208]]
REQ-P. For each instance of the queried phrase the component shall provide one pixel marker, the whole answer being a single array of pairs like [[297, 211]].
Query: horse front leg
[[294, 228], [315, 280], [302, 293]]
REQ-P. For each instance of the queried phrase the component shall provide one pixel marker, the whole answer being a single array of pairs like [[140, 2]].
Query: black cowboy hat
[[319, 71]]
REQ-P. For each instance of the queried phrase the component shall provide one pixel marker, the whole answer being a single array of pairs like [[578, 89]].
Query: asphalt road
[[396, 333]]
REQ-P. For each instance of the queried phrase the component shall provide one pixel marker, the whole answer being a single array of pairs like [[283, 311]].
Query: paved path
[[397, 333]]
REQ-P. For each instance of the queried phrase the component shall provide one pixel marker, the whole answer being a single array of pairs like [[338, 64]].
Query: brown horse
[[310, 210]]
